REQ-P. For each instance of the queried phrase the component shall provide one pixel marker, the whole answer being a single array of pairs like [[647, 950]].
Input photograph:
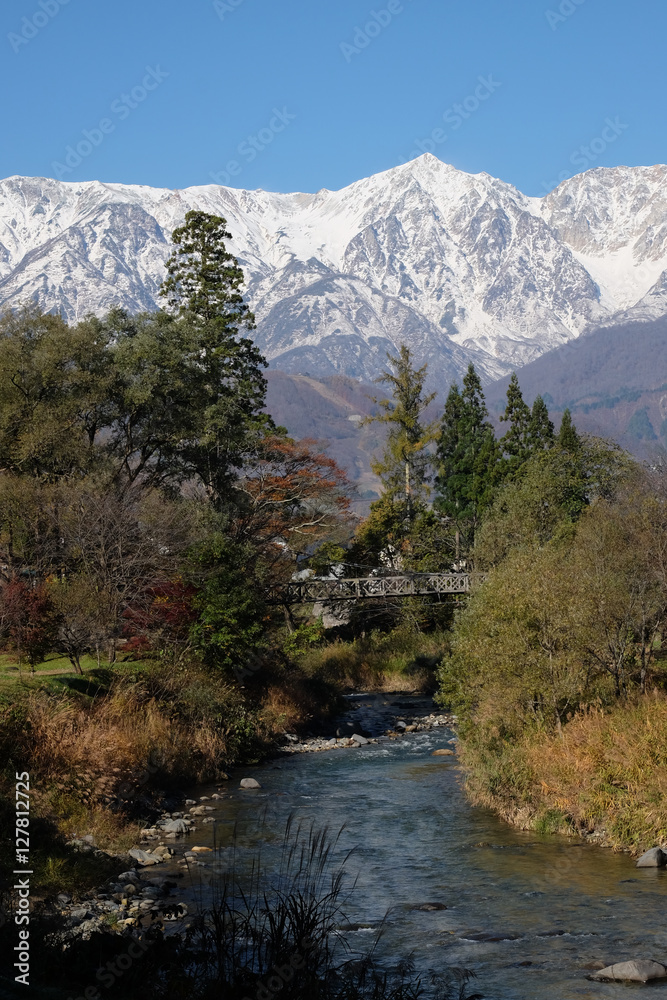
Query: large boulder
[[637, 971], [655, 858], [250, 783]]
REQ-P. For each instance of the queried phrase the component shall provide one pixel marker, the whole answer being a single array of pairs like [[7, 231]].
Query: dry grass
[[96, 763], [391, 662], [606, 773]]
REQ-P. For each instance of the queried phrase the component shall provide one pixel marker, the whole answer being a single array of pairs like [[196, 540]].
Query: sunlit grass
[[9, 664], [605, 773]]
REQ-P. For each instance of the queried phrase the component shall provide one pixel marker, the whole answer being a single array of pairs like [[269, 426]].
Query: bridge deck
[[357, 588]]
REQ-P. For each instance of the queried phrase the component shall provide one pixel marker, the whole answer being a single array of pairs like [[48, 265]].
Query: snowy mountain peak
[[459, 266]]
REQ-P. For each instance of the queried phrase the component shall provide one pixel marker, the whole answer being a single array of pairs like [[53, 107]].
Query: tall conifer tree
[[567, 435], [516, 443], [540, 429], [467, 456], [204, 289]]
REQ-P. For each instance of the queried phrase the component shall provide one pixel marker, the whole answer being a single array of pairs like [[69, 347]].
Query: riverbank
[[452, 885], [602, 777], [138, 891], [111, 750]]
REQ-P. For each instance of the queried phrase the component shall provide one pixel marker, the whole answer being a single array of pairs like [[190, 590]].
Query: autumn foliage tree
[[293, 495], [30, 620]]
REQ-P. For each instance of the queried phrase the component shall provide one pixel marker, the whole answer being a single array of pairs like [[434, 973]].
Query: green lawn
[[9, 665], [54, 672]]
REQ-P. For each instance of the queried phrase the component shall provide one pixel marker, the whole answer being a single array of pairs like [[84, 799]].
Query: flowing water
[[527, 913]]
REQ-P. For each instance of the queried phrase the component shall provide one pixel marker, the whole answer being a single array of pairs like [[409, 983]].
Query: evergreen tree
[[467, 456], [224, 368], [203, 277], [516, 443], [404, 466], [540, 429], [567, 435]]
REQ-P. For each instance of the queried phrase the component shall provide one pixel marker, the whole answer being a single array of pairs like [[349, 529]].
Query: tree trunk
[[289, 619], [408, 491]]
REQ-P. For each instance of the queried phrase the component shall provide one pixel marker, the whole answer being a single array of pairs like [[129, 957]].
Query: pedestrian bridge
[[357, 588]]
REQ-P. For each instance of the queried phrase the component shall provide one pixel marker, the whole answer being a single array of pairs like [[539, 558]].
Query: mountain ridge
[[461, 267]]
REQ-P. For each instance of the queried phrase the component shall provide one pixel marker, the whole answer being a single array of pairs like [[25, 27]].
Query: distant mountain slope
[[460, 267], [614, 380], [330, 411]]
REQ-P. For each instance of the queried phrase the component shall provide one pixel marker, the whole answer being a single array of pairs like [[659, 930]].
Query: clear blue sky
[[559, 69]]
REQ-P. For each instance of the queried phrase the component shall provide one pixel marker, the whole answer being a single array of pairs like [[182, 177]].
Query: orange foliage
[[295, 495]]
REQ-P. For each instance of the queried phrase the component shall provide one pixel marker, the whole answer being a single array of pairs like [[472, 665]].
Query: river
[[527, 913]]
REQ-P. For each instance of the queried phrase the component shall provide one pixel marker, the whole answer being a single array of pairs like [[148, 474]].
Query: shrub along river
[[531, 915]]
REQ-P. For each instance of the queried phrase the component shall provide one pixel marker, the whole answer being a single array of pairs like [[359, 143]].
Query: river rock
[[361, 740], [129, 876], [145, 857], [176, 826], [250, 783], [655, 858], [442, 753], [637, 971], [151, 892]]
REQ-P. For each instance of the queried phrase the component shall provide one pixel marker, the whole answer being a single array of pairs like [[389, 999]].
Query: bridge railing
[[357, 588]]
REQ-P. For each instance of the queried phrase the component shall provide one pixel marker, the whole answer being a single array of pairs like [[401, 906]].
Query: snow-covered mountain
[[458, 266]]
